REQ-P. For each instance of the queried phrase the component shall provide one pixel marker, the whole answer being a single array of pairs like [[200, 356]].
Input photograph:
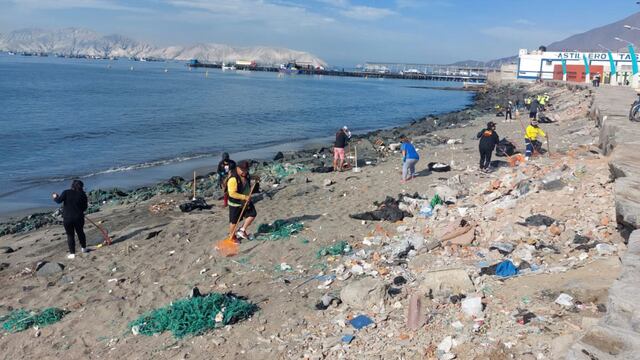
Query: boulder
[[45, 268], [627, 198], [363, 294], [446, 282], [625, 162]]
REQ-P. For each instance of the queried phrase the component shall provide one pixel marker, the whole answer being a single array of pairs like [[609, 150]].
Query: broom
[[105, 234], [227, 246]]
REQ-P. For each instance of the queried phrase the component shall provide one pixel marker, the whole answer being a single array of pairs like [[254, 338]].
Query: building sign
[[592, 56]]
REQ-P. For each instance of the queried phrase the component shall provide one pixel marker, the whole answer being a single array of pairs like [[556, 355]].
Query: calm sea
[[123, 123]]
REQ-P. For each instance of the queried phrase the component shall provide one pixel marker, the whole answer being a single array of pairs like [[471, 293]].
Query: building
[[547, 65]]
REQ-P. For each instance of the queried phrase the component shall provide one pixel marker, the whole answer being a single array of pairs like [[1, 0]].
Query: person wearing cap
[[531, 139], [224, 167], [488, 141], [342, 137], [239, 191], [410, 158]]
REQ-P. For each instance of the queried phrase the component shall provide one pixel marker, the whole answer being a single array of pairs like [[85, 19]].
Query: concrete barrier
[[617, 335]]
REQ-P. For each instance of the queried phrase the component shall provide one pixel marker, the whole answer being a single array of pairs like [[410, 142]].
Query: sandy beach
[[160, 253]]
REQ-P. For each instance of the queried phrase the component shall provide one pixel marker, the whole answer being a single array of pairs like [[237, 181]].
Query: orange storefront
[[576, 73]]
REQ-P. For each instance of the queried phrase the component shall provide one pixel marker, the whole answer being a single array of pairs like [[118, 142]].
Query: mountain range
[[84, 42], [603, 36]]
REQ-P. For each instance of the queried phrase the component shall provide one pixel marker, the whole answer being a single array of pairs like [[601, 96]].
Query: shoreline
[[302, 153]]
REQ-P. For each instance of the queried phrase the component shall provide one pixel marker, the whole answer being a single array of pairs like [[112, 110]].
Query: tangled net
[[338, 249], [194, 316], [280, 229], [20, 320]]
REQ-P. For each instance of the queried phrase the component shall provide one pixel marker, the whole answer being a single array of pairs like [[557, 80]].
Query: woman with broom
[[239, 190]]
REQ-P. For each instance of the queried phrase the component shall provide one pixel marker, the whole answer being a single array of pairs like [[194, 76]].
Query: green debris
[[280, 171], [194, 316], [28, 223], [20, 320], [436, 200], [340, 248], [279, 229]]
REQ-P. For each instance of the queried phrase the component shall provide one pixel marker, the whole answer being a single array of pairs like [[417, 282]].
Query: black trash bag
[[197, 204], [545, 120], [505, 148], [388, 210]]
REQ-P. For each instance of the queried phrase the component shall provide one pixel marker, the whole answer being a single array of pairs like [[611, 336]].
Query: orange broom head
[[227, 247], [516, 160]]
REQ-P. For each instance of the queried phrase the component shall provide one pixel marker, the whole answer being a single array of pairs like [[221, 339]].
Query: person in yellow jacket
[[531, 139], [239, 191]]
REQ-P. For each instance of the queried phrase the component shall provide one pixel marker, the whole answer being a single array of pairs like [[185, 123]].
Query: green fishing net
[[194, 316], [281, 171], [436, 200], [20, 320], [280, 229], [338, 249]]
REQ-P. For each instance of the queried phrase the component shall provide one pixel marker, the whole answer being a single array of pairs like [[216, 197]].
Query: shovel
[[228, 246]]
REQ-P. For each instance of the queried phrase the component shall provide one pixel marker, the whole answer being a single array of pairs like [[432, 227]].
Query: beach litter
[[340, 248], [361, 321], [279, 229], [20, 320], [194, 316]]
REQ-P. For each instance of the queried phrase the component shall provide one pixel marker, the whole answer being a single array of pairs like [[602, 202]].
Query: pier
[[453, 73]]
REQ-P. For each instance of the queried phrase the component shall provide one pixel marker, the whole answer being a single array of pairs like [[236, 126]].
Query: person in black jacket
[[75, 204], [224, 168], [488, 141]]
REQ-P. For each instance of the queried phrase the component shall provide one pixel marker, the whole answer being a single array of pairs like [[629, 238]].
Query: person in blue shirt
[[410, 158]]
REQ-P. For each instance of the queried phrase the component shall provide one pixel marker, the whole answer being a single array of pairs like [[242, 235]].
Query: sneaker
[[71, 256], [242, 234], [85, 250]]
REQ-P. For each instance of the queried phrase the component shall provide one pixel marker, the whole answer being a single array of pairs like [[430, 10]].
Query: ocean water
[[124, 123]]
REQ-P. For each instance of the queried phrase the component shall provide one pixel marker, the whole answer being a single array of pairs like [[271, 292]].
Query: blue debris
[[506, 269], [361, 321], [348, 338]]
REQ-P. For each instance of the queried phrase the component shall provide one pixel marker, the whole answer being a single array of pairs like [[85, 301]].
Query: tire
[[634, 113]]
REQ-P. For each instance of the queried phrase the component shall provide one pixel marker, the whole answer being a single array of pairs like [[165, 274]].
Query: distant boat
[[225, 67], [289, 68], [11, 53]]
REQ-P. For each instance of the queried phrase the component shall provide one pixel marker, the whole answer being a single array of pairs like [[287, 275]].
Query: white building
[[547, 65]]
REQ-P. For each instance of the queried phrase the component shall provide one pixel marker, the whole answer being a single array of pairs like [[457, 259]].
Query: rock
[[560, 345], [445, 282], [605, 249], [279, 156], [45, 268], [328, 182], [3, 266], [6, 250], [627, 198], [363, 294], [625, 162], [555, 230]]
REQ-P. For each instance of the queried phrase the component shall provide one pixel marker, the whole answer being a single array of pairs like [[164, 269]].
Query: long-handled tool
[[105, 234], [548, 145], [228, 246]]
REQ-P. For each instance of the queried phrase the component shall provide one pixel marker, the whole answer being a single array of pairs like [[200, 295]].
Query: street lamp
[[623, 40]]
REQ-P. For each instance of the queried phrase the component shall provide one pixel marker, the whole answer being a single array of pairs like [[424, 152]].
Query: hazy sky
[[343, 32]]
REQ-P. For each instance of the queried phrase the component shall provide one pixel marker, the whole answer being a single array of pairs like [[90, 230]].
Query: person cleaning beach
[[532, 144], [239, 191], [508, 111], [410, 158], [342, 137], [533, 109], [224, 168], [488, 141], [75, 203]]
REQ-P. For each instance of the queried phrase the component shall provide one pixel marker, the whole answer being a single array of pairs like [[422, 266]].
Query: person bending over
[[239, 190], [488, 141]]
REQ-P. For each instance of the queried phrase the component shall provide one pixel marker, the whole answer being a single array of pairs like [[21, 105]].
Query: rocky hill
[[83, 42]]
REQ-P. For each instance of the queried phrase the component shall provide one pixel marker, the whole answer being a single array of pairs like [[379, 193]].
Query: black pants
[[508, 114], [71, 227], [485, 158]]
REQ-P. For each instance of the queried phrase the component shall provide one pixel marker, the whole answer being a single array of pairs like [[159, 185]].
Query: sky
[[342, 32]]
